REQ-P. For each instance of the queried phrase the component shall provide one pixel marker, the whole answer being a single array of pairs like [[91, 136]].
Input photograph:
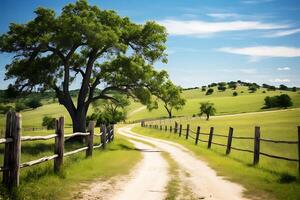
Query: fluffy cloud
[[263, 51], [282, 33], [283, 68], [200, 28]]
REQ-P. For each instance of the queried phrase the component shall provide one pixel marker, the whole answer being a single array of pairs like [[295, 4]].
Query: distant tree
[[234, 93], [252, 88], [11, 92], [283, 87], [232, 85], [170, 95], [222, 84], [221, 88], [271, 88], [203, 88], [49, 122], [282, 100], [209, 91], [294, 89], [208, 109], [212, 85], [33, 102], [19, 106]]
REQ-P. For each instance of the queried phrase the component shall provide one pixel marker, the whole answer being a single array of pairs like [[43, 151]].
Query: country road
[[148, 180]]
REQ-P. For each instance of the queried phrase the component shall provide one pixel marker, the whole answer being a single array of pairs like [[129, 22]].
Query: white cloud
[[223, 15], [257, 52], [278, 80], [282, 33], [283, 68], [200, 28], [256, 1]]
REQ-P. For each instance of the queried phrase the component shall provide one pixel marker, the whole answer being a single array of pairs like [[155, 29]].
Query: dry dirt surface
[[149, 179]]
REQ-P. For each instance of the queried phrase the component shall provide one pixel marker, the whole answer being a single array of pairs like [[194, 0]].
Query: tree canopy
[[170, 95], [85, 43], [207, 108]]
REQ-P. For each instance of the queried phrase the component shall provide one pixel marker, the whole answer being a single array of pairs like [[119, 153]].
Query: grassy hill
[[225, 102]]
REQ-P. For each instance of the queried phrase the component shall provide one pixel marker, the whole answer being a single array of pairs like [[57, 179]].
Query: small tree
[[294, 89], [282, 100], [234, 94], [221, 88], [49, 122], [170, 94], [203, 88], [283, 87], [34, 103], [19, 106], [209, 91], [252, 89], [208, 109]]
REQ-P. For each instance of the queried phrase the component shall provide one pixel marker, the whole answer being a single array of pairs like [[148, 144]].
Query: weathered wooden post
[[166, 128], [256, 145], [103, 136], [12, 151], [229, 140], [59, 144], [180, 130], [90, 139], [211, 133], [170, 129], [187, 131], [197, 135], [160, 127], [299, 148], [175, 127]]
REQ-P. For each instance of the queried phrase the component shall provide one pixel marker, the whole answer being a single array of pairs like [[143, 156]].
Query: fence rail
[[12, 150], [186, 132]]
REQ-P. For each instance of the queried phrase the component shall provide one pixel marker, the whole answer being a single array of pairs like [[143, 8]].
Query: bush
[[221, 88], [264, 91], [234, 94], [19, 106], [49, 122], [203, 88], [294, 89], [34, 103], [209, 91], [4, 109], [252, 88], [283, 87], [282, 101]]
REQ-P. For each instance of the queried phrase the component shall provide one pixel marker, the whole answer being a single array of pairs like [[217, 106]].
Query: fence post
[[211, 133], [187, 131], [180, 130], [256, 145], [12, 152], [176, 127], [103, 136], [171, 129], [197, 135], [59, 144], [299, 148], [229, 140], [160, 127], [90, 139], [166, 128]]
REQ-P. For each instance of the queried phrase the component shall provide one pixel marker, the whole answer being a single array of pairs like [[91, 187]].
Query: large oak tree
[[85, 43]]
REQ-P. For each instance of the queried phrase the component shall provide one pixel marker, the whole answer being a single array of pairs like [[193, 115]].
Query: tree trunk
[[169, 111], [79, 124], [207, 117]]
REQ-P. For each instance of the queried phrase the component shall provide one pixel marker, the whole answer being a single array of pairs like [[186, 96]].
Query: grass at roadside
[[260, 182], [40, 182]]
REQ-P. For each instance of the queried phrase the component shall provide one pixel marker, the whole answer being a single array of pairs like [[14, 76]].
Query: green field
[[224, 102], [271, 174]]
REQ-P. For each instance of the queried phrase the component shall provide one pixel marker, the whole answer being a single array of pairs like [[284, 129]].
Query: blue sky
[[209, 40]]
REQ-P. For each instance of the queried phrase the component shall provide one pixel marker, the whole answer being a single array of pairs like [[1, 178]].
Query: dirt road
[[148, 180]]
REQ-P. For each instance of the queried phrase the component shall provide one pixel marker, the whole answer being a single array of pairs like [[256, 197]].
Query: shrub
[[264, 91], [4, 109], [234, 94], [252, 88], [19, 106], [221, 88], [242, 91], [49, 122], [209, 91], [294, 89], [203, 88], [34, 103], [283, 87], [282, 101]]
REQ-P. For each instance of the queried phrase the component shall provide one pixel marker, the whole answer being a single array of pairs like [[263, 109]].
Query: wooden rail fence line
[[256, 139], [12, 150]]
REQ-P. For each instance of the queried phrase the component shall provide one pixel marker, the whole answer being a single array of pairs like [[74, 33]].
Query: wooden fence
[[195, 135], [12, 150]]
